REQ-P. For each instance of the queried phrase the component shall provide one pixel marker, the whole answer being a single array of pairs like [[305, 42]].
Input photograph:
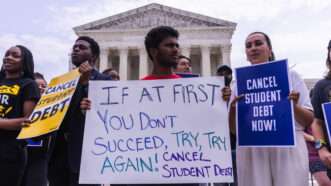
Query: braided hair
[[27, 63]]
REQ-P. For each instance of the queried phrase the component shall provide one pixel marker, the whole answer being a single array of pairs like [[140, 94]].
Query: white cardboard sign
[[157, 131]]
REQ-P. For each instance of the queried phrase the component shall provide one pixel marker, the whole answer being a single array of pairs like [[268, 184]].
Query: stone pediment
[[154, 15]]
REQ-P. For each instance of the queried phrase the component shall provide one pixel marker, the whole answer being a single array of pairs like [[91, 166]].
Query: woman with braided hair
[[19, 94]]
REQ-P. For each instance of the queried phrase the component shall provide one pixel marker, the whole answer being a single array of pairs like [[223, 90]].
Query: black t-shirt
[[13, 94], [321, 94]]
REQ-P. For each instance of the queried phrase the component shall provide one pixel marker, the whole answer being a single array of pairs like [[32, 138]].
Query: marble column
[[143, 62], [205, 61], [226, 54], [103, 63], [123, 71]]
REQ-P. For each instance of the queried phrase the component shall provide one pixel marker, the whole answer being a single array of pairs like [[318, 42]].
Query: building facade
[[206, 40]]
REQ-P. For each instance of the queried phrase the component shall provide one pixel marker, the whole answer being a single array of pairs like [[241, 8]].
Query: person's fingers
[[84, 64], [82, 70], [226, 93], [237, 98], [26, 124], [226, 98], [294, 96], [27, 121], [85, 104], [86, 107], [86, 101], [84, 67]]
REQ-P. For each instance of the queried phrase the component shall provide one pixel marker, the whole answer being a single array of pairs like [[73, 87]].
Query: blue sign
[[264, 114], [34, 143], [327, 116]]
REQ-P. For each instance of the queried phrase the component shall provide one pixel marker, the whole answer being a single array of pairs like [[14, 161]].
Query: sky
[[299, 29]]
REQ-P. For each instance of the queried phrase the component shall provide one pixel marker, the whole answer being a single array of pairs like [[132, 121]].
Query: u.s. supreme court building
[[206, 40]]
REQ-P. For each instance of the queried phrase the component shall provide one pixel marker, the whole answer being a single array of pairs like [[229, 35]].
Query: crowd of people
[[56, 161]]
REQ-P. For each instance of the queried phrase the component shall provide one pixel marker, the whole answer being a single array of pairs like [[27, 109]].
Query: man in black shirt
[[65, 161]]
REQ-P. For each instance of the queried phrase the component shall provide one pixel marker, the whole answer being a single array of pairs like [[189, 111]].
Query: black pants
[[12, 162], [59, 173], [58, 166], [36, 169], [74, 180]]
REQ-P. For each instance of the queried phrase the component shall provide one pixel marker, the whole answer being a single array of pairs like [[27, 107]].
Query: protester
[[183, 65], [316, 166], [41, 82], [66, 158], [162, 47], [260, 166], [18, 96], [226, 72], [112, 73], [322, 94], [36, 170]]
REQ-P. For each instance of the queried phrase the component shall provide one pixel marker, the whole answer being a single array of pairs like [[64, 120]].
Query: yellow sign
[[52, 106]]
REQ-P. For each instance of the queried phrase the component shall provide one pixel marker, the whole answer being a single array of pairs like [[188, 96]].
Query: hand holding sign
[[226, 93], [85, 69], [235, 100], [52, 107], [294, 96], [85, 104], [148, 132], [26, 122], [264, 116]]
